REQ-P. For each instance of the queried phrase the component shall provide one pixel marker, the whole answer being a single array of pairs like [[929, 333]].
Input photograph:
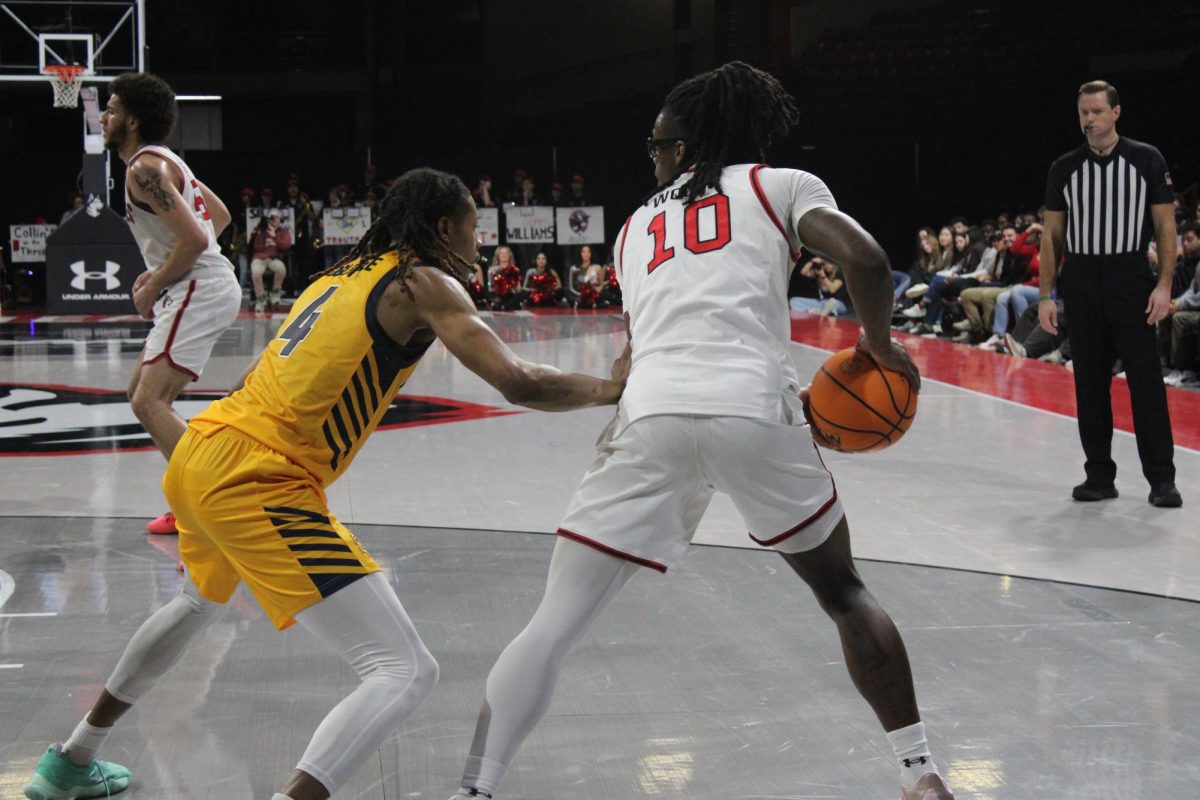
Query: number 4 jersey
[[326, 379], [705, 286]]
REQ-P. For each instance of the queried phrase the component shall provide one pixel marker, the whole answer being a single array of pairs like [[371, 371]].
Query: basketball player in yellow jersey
[[247, 482]]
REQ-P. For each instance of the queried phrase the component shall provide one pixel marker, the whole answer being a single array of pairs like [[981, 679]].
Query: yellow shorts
[[246, 513]]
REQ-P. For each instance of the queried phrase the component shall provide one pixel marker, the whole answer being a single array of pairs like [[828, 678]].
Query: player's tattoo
[[147, 179]]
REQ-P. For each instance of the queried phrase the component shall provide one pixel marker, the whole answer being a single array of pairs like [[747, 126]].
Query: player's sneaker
[[931, 787], [57, 778], [163, 526], [275, 298], [468, 793]]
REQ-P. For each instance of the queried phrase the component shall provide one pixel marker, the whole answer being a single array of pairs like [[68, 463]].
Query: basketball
[[859, 406]]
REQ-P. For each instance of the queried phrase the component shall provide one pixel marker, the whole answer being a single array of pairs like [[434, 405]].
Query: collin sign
[[29, 241]]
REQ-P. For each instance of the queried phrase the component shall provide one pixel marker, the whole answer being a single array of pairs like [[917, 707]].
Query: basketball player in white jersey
[[711, 404], [189, 289]]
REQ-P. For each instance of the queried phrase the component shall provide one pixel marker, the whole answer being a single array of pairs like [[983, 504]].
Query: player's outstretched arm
[[442, 305], [838, 238]]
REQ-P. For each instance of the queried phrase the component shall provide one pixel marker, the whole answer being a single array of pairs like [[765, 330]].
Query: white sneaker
[[275, 298], [260, 304], [916, 312], [1015, 348], [962, 325], [931, 786], [916, 290], [1173, 378], [992, 343]]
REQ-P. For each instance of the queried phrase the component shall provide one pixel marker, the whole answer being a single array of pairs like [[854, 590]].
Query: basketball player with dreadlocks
[[712, 402], [189, 289], [247, 483]]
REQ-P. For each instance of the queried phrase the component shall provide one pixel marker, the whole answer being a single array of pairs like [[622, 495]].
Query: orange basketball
[[857, 405]]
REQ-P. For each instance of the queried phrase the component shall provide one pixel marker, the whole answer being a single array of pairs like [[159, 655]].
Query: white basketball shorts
[[189, 318], [644, 496]]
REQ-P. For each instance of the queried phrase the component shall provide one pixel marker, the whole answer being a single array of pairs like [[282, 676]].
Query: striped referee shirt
[[1107, 199]]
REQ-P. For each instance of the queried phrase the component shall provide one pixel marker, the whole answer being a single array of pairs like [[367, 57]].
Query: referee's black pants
[[1105, 299]]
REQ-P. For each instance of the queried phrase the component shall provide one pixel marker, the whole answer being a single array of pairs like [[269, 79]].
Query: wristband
[[1045, 297]]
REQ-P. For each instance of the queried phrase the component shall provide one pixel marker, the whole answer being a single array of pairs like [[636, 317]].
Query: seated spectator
[[585, 282], [1006, 269], [267, 197], [542, 286], [271, 239], [577, 196], [1028, 339], [483, 192], [833, 298], [1185, 318], [963, 272], [504, 280], [557, 198], [1011, 303]]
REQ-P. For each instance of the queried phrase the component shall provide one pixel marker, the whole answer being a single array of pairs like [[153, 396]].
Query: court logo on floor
[[73, 420]]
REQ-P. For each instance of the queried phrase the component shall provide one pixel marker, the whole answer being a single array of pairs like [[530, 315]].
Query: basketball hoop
[[65, 80]]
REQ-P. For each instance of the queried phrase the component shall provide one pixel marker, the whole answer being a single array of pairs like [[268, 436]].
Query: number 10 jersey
[[705, 286], [326, 379]]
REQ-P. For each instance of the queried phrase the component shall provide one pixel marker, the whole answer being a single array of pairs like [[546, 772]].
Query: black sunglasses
[[652, 145]]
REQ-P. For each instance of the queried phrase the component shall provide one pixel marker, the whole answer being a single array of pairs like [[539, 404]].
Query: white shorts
[[190, 317], [644, 496]]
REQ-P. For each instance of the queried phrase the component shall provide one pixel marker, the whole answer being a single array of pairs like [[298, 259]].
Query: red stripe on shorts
[[603, 548], [774, 540]]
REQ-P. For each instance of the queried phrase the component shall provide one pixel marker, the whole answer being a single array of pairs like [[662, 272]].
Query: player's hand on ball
[[893, 357]]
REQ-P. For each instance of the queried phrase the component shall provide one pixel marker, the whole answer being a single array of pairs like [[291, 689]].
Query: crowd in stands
[[977, 285], [508, 277]]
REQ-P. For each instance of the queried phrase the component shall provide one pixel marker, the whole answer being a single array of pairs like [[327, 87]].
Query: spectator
[[585, 281], [504, 280], [271, 239], [1185, 317], [477, 282], [529, 195], [333, 253], [542, 286], [369, 184], [267, 195], [1011, 304], [832, 296], [964, 273], [926, 264], [483, 193], [979, 302], [958, 225], [74, 206], [302, 237], [238, 242], [516, 188], [556, 194], [1028, 339], [578, 198]]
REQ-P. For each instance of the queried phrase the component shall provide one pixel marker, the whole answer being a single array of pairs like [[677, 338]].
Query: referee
[[1105, 201]]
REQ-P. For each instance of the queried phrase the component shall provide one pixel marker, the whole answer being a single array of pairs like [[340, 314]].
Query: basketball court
[[1054, 644]]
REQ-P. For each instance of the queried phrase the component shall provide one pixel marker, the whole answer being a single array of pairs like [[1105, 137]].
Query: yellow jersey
[[326, 379]]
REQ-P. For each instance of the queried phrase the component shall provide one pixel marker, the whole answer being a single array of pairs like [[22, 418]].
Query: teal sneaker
[[56, 778]]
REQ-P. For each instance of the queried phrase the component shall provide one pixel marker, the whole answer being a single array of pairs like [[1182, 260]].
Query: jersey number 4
[[298, 330], [716, 207]]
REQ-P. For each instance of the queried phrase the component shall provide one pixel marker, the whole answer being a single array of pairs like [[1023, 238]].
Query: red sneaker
[[164, 525]]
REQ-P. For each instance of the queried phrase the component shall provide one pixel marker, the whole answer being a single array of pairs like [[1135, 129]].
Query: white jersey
[[154, 237], [706, 290]]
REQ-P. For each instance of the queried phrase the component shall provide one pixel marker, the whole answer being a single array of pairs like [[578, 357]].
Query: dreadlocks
[[408, 223], [728, 116]]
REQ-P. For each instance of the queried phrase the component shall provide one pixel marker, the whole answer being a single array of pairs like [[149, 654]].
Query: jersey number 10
[[657, 228]]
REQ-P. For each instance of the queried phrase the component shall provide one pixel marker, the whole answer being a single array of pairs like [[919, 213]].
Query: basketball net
[[65, 80]]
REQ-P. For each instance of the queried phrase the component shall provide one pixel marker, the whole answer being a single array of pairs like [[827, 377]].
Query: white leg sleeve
[[160, 642], [520, 687], [368, 627]]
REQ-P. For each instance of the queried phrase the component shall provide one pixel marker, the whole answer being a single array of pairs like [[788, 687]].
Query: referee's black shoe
[[1166, 497], [1088, 492]]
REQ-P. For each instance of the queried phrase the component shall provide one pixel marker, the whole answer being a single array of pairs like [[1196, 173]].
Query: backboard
[[105, 37]]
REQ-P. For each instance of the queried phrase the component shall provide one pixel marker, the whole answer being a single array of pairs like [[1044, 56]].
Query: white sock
[[84, 743], [482, 774], [912, 752]]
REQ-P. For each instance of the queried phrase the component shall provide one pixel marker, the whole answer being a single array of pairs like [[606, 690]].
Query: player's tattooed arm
[[148, 181]]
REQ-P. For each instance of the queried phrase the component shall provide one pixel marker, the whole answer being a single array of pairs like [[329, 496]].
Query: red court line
[[1049, 387]]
